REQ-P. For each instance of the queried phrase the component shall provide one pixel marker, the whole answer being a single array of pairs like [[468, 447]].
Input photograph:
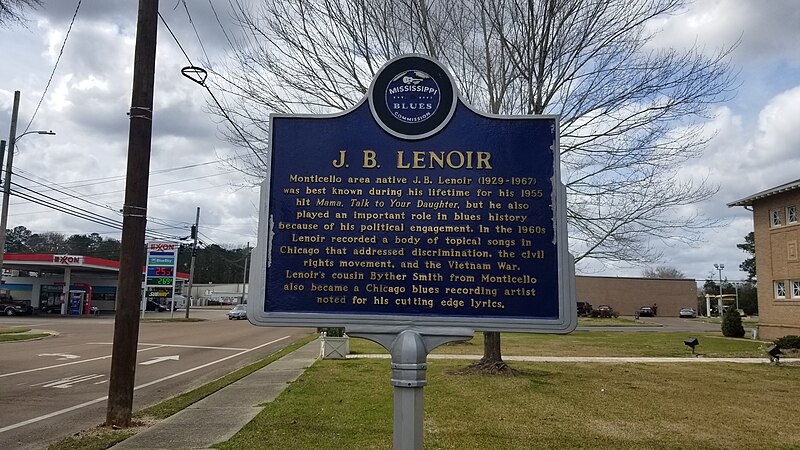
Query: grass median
[[348, 404], [10, 334]]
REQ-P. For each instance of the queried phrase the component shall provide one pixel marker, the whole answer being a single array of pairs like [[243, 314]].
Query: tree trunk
[[492, 361]]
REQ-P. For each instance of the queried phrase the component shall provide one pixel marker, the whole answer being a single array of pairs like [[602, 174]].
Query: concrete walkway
[[222, 414]]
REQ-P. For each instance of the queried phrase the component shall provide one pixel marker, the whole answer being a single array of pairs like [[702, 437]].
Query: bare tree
[[663, 272], [14, 10], [631, 113]]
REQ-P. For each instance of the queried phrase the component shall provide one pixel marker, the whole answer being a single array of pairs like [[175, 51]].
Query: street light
[[12, 139], [719, 302]]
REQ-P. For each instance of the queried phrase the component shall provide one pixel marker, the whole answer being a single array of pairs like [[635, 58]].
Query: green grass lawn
[[348, 404], [597, 343]]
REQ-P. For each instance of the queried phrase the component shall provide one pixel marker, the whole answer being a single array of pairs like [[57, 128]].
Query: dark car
[[153, 305], [604, 311], [10, 307], [584, 309], [646, 311]]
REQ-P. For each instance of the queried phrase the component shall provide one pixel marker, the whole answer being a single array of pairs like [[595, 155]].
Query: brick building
[[777, 232], [627, 295]]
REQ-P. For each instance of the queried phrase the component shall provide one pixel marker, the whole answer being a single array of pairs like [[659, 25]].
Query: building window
[[775, 218], [795, 288], [791, 214], [780, 289]]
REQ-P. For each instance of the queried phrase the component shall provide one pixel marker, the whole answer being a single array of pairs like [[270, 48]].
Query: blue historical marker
[[412, 209]]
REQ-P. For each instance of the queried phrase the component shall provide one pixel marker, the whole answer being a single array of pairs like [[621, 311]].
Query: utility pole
[[194, 255], [134, 221], [12, 137], [244, 272]]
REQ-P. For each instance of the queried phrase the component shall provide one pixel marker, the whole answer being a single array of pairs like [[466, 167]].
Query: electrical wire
[[191, 22], [213, 97], [115, 178], [72, 210], [216, 16], [55, 66]]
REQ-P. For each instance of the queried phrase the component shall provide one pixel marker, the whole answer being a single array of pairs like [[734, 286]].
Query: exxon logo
[[161, 247], [67, 259]]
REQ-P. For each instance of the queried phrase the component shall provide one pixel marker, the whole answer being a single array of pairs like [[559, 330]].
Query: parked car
[[52, 308], [153, 305], [584, 309], [11, 307], [687, 313], [604, 311], [238, 312], [646, 311]]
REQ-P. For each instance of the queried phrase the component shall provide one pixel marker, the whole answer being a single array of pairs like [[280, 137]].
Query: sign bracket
[[409, 348]]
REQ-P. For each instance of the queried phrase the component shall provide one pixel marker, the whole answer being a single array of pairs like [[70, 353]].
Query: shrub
[[732, 324], [332, 332], [788, 342]]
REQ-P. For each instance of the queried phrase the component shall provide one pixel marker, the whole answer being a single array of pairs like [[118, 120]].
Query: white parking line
[[98, 400], [67, 364]]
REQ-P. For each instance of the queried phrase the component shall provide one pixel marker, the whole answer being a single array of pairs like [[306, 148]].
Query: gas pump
[[77, 301]]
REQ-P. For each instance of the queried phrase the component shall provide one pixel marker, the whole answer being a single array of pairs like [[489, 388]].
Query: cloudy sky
[[756, 145]]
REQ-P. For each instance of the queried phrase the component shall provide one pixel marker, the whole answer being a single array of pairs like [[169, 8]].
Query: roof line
[[748, 201]]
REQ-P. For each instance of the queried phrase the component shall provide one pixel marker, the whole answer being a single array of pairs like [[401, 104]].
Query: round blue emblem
[[413, 96]]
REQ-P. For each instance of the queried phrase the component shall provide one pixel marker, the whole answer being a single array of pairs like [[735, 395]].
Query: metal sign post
[[413, 220], [409, 348]]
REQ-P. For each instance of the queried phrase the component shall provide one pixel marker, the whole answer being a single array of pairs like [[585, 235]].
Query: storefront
[[65, 284]]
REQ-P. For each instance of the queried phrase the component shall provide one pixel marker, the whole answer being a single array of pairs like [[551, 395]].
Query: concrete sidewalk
[[222, 414]]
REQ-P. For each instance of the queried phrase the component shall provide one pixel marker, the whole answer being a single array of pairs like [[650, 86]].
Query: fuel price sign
[[160, 273]]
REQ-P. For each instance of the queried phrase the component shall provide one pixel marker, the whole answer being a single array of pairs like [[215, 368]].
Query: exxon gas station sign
[[68, 260]]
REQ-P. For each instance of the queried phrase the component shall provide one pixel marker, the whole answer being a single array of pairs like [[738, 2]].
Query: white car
[[687, 312], [238, 312]]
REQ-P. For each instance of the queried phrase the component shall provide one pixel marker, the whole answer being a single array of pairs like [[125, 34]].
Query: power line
[[115, 178], [153, 185], [72, 210], [216, 16], [55, 66], [201, 82], [191, 22]]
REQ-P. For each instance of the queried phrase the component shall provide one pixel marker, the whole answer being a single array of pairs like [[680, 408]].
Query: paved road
[[668, 324], [54, 387]]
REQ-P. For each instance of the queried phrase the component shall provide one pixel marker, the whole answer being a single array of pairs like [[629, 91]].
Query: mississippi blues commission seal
[[412, 97]]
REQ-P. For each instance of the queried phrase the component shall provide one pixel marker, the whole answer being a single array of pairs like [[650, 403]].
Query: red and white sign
[[161, 247], [68, 260]]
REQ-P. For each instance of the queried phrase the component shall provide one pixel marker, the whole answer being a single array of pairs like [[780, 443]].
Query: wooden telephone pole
[[134, 222]]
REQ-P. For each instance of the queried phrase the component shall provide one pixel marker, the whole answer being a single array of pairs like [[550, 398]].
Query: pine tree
[[732, 324]]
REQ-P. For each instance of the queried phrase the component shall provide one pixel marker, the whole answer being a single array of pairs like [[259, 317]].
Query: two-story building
[[777, 233]]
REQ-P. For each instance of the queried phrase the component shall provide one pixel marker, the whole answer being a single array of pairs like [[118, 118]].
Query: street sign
[[412, 209]]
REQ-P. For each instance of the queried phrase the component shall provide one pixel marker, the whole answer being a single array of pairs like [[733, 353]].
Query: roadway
[[57, 386], [667, 324]]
